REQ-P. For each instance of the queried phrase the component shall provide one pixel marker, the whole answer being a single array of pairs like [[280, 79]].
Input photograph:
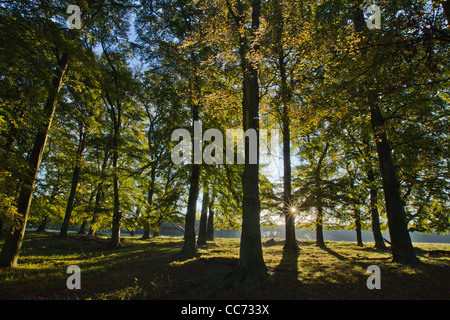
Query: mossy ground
[[147, 269]]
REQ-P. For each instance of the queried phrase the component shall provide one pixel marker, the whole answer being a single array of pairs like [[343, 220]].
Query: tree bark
[[157, 231], [42, 225], [376, 229], [75, 180], [210, 223], [320, 242], [402, 249], [116, 117], [13, 243], [98, 196], [359, 241], [319, 205], [373, 193], [291, 241], [285, 94], [446, 7], [356, 212], [151, 191], [83, 228], [189, 245], [251, 267], [204, 215], [146, 234], [117, 213]]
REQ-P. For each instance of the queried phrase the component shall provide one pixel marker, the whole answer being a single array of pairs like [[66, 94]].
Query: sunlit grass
[[148, 269]]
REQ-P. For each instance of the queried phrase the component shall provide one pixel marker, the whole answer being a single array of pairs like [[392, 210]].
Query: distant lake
[[329, 235]]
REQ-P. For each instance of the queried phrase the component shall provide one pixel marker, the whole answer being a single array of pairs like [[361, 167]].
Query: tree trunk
[[75, 180], [146, 234], [210, 223], [117, 213], [157, 232], [98, 199], [42, 225], [402, 248], [251, 266], [204, 215], [83, 228], [318, 198], [291, 241], [376, 229], [151, 191], [285, 94], [356, 212], [320, 242], [99, 195], [288, 205], [446, 7], [11, 247], [116, 117], [189, 246], [359, 241], [373, 193]]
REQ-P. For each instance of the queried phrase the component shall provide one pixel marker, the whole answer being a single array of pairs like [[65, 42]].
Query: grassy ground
[[146, 269]]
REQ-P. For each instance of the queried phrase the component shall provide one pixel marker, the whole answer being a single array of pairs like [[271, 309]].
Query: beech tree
[[245, 19]]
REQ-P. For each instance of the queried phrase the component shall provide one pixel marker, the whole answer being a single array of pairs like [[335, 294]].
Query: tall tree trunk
[[210, 223], [376, 229], [83, 228], [75, 180], [289, 208], [116, 117], [157, 231], [402, 249], [151, 191], [285, 93], [357, 214], [204, 215], [117, 213], [42, 225], [373, 194], [251, 266], [291, 241], [320, 242], [189, 246], [446, 7], [99, 195], [146, 234], [319, 203], [11, 247]]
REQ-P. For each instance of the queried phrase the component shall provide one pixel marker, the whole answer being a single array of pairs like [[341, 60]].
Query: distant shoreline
[[329, 235]]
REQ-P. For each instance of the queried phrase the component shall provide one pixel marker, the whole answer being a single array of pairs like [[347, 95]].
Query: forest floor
[[147, 269]]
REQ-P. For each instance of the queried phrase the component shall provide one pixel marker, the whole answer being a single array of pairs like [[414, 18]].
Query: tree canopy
[[87, 116]]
